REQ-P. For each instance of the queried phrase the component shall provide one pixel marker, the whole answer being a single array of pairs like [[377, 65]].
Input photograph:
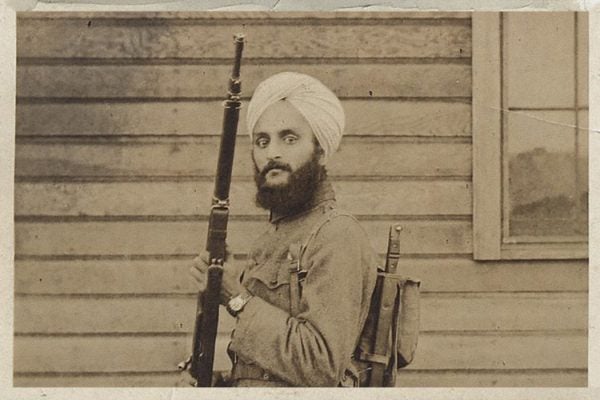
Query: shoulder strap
[[294, 269]]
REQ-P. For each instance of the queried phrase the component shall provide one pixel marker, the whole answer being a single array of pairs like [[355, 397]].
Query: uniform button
[[266, 376]]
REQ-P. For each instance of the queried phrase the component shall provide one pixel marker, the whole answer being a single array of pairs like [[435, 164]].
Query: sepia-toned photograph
[[301, 199]]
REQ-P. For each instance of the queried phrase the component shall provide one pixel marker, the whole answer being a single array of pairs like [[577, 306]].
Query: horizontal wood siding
[[126, 81], [155, 236], [204, 39], [189, 196], [152, 156], [391, 118], [160, 353], [76, 314], [117, 129], [145, 275]]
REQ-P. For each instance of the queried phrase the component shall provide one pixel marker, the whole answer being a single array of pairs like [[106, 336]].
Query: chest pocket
[[271, 282]]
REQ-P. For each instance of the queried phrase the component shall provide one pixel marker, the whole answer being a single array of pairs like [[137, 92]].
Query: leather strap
[[295, 253], [294, 268]]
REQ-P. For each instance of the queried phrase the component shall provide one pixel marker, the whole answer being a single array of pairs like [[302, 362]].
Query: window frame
[[487, 128]]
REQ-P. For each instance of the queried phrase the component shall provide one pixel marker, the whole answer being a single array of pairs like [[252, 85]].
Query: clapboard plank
[[194, 198], [483, 378], [43, 314], [466, 275], [196, 17], [167, 314], [209, 81], [108, 353], [171, 276], [188, 237], [174, 156], [541, 350], [504, 311], [406, 378], [162, 353], [363, 117], [105, 38]]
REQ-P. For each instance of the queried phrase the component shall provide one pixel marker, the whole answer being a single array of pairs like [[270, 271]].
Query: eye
[[290, 139], [261, 142]]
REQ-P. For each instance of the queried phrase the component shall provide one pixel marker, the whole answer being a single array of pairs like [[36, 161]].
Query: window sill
[[539, 251]]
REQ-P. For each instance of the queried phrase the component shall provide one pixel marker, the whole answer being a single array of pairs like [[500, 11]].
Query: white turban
[[318, 105]]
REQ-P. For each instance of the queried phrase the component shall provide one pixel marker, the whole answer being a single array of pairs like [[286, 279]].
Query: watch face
[[236, 303]]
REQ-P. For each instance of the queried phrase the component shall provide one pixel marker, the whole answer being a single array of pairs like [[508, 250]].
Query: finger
[[191, 382], [199, 275], [204, 257], [185, 380], [200, 280], [201, 259], [200, 266]]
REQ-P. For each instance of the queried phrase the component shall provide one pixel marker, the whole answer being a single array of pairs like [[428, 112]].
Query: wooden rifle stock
[[207, 309]]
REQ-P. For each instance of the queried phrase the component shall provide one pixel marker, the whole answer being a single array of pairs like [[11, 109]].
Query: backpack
[[389, 337]]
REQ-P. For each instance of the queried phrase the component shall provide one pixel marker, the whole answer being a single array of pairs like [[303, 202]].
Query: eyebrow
[[286, 132], [281, 133]]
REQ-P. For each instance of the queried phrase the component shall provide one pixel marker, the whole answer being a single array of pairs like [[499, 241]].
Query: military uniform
[[269, 346]]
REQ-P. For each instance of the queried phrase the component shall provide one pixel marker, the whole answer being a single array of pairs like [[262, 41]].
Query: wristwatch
[[236, 304]]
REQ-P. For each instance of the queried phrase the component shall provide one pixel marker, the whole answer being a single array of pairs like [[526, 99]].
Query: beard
[[296, 194]]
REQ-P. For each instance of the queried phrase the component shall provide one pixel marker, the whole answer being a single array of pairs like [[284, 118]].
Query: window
[[530, 154]]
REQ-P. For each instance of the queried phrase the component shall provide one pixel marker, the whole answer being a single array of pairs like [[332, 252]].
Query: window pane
[[542, 198], [540, 62]]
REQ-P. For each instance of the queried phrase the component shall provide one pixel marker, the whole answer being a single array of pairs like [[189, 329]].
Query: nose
[[273, 151]]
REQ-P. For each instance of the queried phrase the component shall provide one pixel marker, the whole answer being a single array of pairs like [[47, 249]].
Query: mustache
[[275, 165]]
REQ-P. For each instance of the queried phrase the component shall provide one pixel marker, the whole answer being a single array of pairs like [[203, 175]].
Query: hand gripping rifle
[[207, 309]]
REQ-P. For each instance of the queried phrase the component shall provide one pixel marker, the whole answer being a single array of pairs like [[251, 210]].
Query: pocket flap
[[272, 275]]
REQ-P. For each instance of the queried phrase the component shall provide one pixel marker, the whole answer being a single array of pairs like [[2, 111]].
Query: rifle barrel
[[207, 309]]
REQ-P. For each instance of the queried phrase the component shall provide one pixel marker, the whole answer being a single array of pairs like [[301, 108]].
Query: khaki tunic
[[269, 346]]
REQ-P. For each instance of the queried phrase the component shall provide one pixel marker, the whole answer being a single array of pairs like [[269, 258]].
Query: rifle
[[207, 308]]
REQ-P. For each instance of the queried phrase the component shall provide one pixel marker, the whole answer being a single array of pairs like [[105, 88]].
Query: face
[[283, 142]]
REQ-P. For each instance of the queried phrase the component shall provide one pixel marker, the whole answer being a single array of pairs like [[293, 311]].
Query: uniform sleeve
[[314, 348]]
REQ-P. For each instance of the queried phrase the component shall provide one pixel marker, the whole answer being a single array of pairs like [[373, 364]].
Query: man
[[297, 326]]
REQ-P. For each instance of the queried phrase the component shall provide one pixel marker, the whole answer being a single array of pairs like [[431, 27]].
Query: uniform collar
[[323, 194]]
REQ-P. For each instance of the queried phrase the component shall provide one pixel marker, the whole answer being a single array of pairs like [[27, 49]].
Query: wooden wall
[[118, 119]]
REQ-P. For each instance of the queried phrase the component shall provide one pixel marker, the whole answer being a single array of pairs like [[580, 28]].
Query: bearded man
[[302, 298]]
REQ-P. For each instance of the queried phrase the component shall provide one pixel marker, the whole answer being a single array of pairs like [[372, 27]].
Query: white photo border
[[8, 9]]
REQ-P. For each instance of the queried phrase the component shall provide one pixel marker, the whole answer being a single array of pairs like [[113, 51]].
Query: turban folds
[[318, 105]]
